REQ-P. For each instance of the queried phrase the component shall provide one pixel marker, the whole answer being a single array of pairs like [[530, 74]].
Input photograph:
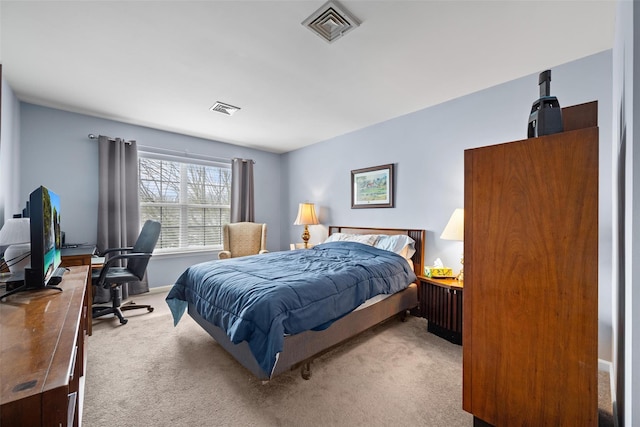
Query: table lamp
[[16, 232], [455, 231], [306, 216]]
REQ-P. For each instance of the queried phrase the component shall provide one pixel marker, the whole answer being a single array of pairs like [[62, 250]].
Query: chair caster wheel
[[150, 309], [124, 321]]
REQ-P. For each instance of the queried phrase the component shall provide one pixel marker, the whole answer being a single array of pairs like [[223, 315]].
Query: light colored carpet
[[148, 373]]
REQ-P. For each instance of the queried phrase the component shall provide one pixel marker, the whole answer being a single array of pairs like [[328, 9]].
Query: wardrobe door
[[530, 329]]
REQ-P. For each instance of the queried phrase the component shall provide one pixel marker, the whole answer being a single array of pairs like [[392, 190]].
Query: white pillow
[[367, 239], [400, 244]]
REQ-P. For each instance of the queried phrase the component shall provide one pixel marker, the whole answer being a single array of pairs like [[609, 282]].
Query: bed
[[292, 339]]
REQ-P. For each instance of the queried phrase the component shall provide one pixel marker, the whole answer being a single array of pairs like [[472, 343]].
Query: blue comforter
[[261, 298]]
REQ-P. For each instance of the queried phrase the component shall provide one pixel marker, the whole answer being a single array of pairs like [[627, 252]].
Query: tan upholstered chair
[[242, 239]]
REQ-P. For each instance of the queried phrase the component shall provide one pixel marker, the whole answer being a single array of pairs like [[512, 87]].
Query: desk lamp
[[16, 232], [306, 216], [455, 231]]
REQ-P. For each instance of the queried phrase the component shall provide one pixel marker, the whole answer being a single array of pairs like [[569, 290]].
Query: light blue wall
[[428, 146], [56, 152]]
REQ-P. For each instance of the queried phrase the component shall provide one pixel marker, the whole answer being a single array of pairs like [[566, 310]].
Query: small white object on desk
[[97, 261]]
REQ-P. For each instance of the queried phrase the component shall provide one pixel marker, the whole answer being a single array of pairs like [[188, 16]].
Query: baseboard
[[160, 289], [605, 365]]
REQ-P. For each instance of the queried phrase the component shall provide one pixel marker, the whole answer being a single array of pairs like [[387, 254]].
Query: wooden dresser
[[43, 353], [530, 332]]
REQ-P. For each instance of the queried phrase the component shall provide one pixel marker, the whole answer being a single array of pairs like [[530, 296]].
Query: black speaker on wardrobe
[[546, 115]]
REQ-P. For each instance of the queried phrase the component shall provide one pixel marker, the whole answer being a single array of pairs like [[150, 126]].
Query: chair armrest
[[110, 250], [224, 255], [263, 251], [115, 258]]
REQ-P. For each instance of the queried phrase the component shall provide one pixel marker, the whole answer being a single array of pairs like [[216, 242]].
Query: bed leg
[[402, 316], [305, 370]]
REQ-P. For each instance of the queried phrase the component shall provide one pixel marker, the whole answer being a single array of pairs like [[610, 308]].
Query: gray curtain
[[242, 207], [118, 207]]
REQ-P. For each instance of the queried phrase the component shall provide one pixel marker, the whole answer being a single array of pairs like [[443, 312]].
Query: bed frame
[[300, 349]]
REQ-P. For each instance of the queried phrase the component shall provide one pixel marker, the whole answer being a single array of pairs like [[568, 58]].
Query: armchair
[[111, 276], [242, 239]]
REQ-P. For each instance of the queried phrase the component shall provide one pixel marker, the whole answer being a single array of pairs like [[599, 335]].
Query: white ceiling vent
[[223, 108], [331, 22]]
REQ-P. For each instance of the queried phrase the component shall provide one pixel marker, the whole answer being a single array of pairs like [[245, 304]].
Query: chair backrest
[[145, 243], [244, 238]]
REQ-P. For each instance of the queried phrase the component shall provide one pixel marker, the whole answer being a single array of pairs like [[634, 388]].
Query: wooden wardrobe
[[530, 328]]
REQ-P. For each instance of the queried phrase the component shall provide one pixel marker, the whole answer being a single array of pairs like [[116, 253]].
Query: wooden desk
[[77, 256], [82, 255], [43, 353]]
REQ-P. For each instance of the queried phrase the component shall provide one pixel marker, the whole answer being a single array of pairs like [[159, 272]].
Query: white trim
[[185, 252], [183, 156], [605, 366], [160, 289]]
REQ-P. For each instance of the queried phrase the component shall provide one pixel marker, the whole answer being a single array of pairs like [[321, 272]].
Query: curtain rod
[[92, 136], [183, 153], [186, 153]]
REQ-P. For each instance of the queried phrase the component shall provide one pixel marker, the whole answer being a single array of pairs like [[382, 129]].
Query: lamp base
[[18, 257], [460, 276], [305, 236]]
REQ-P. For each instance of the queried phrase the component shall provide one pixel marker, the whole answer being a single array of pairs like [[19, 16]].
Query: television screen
[[46, 244]]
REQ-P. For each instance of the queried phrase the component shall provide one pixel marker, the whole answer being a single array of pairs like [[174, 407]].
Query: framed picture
[[372, 187]]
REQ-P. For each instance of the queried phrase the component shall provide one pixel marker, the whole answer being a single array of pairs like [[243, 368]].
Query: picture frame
[[372, 187]]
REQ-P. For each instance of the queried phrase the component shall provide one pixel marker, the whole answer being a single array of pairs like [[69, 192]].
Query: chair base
[[117, 309], [98, 311], [130, 305]]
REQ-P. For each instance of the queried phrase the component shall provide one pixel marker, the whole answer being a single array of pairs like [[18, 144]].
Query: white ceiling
[[163, 64]]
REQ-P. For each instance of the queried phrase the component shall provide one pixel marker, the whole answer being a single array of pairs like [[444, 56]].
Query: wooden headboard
[[415, 234]]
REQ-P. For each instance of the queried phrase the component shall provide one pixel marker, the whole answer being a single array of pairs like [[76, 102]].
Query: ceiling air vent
[[331, 22], [223, 108]]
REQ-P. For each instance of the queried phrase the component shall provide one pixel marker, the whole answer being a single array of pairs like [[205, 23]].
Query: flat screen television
[[46, 242]]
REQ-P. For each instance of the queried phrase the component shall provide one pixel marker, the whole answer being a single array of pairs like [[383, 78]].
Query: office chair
[[112, 277], [242, 239]]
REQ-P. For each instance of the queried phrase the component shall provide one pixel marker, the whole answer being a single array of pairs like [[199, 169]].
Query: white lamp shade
[[455, 227], [306, 215], [15, 230]]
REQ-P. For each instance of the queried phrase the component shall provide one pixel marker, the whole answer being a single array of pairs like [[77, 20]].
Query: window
[[190, 199]]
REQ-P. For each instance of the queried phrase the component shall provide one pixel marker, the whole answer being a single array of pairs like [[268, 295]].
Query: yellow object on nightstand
[[438, 272]]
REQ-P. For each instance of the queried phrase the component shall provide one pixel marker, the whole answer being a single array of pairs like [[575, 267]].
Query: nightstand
[[441, 305], [294, 246]]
